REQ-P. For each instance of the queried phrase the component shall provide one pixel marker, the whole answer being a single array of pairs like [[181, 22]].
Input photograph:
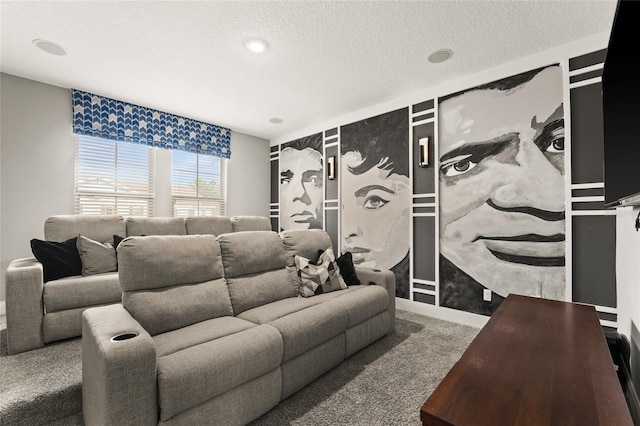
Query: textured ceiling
[[325, 59]]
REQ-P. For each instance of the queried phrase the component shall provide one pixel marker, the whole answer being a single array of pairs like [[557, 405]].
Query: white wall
[[628, 278], [37, 155], [248, 176], [37, 162]]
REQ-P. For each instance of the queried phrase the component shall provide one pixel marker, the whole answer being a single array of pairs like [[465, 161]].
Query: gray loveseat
[[213, 330], [39, 313]]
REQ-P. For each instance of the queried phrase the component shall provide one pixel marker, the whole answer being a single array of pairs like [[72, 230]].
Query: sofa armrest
[[24, 281], [118, 377], [383, 278]]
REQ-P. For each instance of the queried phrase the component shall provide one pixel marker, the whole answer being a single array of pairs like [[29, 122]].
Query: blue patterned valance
[[106, 118]]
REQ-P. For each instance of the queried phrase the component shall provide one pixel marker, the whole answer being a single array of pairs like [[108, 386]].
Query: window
[[197, 184], [113, 177]]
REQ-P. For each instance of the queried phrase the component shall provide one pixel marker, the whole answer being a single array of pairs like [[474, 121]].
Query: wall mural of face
[[301, 184], [375, 221], [502, 181], [376, 193]]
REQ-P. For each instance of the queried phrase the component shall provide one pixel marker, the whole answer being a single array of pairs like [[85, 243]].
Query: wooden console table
[[536, 362]]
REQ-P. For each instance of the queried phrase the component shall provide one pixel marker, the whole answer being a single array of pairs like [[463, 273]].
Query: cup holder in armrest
[[124, 336]]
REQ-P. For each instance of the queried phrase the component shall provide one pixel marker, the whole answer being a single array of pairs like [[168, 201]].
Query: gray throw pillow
[[97, 258]]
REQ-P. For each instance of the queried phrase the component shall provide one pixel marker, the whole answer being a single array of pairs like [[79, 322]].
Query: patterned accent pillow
[[320, 277]]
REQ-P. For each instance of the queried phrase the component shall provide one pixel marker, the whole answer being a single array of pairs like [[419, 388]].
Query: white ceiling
[[325, 58]]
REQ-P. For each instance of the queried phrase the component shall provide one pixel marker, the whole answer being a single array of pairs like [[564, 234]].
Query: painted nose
[[533, 182], [304, 198], [350, 227]]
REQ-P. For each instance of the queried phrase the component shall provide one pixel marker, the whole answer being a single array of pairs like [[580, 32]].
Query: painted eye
[[557, 146], [458, 168], [374, 202], [551, 140], [285, 176], [316, 181]]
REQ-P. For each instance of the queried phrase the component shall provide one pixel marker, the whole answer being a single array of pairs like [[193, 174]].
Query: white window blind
[[197, 184], [113, 177]]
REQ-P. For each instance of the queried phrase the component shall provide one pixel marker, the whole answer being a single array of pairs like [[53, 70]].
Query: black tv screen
[[621, 108]]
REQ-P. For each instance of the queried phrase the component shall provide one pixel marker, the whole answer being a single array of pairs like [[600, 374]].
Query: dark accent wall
[[424, 248], [594, 254], [424, 177], [591, 228], [593, 267], [274, 208], [587, 134], [424, 221], [331, 186]]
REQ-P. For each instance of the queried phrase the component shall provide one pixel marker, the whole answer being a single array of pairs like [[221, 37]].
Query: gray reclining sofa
[[39, 313], [214, 330]]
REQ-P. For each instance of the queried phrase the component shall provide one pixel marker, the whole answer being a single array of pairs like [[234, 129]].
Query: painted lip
[[528, 249], [358, 253], [536, 238], [306, 214]]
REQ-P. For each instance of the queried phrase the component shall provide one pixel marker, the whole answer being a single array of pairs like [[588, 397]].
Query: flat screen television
[[621, 108]]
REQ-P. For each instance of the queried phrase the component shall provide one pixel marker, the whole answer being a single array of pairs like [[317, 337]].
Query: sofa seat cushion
[[325, 297], [310, 327], [195, 334], [272, 311], [363, 304], [78, 291], [199, 373]]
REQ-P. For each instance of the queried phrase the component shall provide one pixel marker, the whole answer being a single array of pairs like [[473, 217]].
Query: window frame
[[123, 164], [199, 202]]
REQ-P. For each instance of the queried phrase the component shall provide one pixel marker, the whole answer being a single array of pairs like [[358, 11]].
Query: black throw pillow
[[58, 260], [117, 239], [347, 270]]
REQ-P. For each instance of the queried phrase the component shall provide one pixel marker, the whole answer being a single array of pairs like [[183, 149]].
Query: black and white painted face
[[301, 183], [375, 214], [502, 183]]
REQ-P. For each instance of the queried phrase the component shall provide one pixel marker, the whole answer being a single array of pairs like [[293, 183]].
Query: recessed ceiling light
[[440, 56], [276, 120], [50, 47], [256, 45]]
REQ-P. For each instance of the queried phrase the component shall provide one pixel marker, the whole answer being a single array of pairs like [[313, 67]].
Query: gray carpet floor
[[38, 387], [384, 384]]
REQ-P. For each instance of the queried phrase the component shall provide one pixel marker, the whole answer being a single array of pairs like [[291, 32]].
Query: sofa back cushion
[[170, 282], [254, 266], [305, 243], [155, 226], [214, 225], [100, 228], [250, 223]]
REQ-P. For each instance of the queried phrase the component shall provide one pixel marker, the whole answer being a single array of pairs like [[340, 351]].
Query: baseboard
[[3, 309], [447, 314]]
